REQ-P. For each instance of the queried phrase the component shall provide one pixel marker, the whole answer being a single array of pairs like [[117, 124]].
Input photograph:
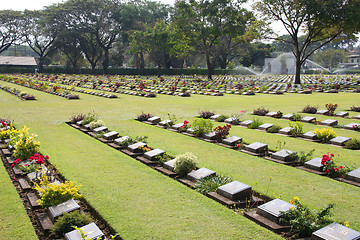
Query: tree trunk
[[222, 61], [298, 69], [159, 70], [41, 64], [105, 63], [141, 60]]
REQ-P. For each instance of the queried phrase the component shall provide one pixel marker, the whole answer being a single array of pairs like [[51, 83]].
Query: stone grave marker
[[177, 126], [111, 135], [271, 114], [314, 164], [154, 120], [308, 119], [353, 175], [151, 155], [87, 126], [329, 122], [231, 120], [190, 130], [199, 174], [214, 117], [79, 123], [135, 148], [235, 191], [323, 112], [357, 116], [169, 165], [289, 116], [58, 210], [335, 231], [120, 140], [350, 126], [265, 126], [272, 210], [210, 135], [165, 123], [285, 131], [100, 129], [309, 135], [232, 141], [91, 231], [339, 140], [283, 155], [341, 114], [257, 147], [246, 123]]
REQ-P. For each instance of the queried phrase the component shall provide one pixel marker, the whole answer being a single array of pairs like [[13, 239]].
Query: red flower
[[337, 169], [332, 155], [327, 171], [25, 165], [341, 166], [186, 122], [47, 157]]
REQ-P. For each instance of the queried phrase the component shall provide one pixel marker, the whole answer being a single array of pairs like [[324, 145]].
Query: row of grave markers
[[232, 194], [47, 218], [259, 149], [24, 98]]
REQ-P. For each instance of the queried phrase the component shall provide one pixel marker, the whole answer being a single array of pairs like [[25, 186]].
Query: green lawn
[[140, 203]]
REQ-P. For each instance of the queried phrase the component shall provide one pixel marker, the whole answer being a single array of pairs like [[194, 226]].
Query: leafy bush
[[206, 114], [325, 134], [309, 109], [90, 117], [77, 117], [211, 183], [261, 111], [355, 108], [163, 158], [297, 116], [305, 221], [52, 194], [144, 116], [279, 114], [221, 132], [25, 145], [255, 124], [331, 107], [202, 126], [66, 222], [96, 124], [302, 157], [331, 169], [8, 133], [222, 118], [296, 128], [353, 144], [185, 163], [273, 129]]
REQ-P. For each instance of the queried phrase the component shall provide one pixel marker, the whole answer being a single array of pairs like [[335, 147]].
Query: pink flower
[[25, 165], [47, 157]]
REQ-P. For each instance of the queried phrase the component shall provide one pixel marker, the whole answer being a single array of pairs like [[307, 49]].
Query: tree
[[9, 28], [322, 21], [330, 58], [39, 34], [209, 23], [254, 54]]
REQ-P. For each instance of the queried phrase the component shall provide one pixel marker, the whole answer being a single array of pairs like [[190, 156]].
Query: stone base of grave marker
[[44, 221], [33, 200], [262, 221], [187, 182], [114, 145], [254, 202], [146, 161], [166, 172], [311, 170], [24, 184], [131, 154]]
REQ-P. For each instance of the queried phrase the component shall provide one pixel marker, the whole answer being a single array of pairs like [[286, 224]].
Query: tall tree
[[208, 23], [9, 28], [321, 20]]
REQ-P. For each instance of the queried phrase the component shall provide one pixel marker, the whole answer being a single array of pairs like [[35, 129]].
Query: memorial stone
[[329, 122], [286, 131], [353, 175], [283, 155], [135, 148], [308, 119], [199, 174], [91, 231], [100, 129], [257, 147], [151, 155], [272, 210], [314, 164], [246, 123], [342, 114], [235, 191], [309, 135], [232, 141], [111, 135], [339, 140], [265, 126], [335, 231], [169, 165], [58, 210]]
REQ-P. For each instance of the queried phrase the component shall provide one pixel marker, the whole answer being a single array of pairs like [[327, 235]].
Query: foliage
[[296, 129], [185, 163], [261, 111], [305, 221], [222, 118], [309, 109], [96, 124], [90, 117], [221, 132], [237, 118], [34, 163], [279, 114], [355, 108], [25, 145], [331, 107], [297, 116], [52, 194], [66, 222], [202, 126], [206, 114], [353, 144], [144, 116], [331, 169], [185, 126], [273, 129], [163, 158], [8, 133], [325, 134], [211, 183], [144, 149], [302, 156], [77, 117], [356, 127], [255, 124]]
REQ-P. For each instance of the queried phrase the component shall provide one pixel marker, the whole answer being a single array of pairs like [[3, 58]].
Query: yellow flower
[[296, 199], [291, 201], [346, 223]]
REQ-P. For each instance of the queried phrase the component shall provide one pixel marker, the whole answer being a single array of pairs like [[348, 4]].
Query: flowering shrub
[[331, 107], [296, 129], [202, 126], [24, 144], [96, 124], [279, 114], [305, 221], [7, 134], [185, 163], [331, 169], [77, 117], [184, 126], [145, 148], [222, 132], [35, 163], [325, 134], [144, 116], [356, 127]]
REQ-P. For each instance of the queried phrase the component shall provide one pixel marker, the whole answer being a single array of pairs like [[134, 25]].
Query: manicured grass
[[14, 222], [141, 203]]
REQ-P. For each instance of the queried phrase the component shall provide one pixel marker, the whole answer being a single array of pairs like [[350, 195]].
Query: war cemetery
[[143, 120]]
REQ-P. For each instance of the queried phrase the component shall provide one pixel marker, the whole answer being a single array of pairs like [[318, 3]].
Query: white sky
[[39, 4]]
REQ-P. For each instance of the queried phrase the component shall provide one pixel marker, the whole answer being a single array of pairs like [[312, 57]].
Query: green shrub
[[296, 128], [90, 117], [185, 163], [211, 183], [202, 126], [96, 124], [255, 124], [353, 144], [302, 156], [273, 129], [261, 111], [325, 134], [25, 144], [297, 116], [279, 114], [309, 109], [206, 114], [222, 118], [66, 222]]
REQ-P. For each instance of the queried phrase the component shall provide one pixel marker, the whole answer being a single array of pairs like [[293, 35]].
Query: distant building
[[17, 61], [351, 62], [283, 64]]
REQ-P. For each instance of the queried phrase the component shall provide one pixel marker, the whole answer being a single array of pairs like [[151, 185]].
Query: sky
[[20, 5]]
